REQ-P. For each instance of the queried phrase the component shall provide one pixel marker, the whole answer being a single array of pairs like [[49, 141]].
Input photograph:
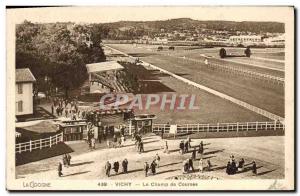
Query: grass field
[[268, 152], [257, 92]]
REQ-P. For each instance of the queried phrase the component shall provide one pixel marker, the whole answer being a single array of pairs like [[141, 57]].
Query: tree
[[222, 53], [59, 51], [248, 52]]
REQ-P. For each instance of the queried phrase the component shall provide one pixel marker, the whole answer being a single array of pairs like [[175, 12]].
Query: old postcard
[[150, 98]]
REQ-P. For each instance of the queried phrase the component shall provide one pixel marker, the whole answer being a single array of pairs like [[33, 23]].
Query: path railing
[[220, 127], [39, 144]]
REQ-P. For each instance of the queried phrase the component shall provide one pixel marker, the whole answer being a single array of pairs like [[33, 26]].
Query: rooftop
[[24, 75], [103, 66]]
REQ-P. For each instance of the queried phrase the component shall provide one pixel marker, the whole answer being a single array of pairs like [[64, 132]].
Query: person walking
[[201, 165], [59, 169], [141, 147], [146, 168], [52, 109], [125, 166], [254, 168], [209, 165], [241, 165], [191, 166], [116, 167], [107, 168], [166, 149], [186, 146], [201, 149], [157, 160], [181, 147], [65, 160], [69, 159], [153, 167], [194, 154]]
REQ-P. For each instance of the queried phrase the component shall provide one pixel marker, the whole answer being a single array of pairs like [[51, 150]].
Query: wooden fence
[[39, 144], [220, 127]]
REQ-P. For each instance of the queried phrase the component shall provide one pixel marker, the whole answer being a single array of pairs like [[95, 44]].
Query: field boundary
[[39, 144], [219, 127]]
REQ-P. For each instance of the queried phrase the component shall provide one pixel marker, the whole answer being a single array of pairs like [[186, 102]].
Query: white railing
[[220, 127], [238, 70], [39, 144]]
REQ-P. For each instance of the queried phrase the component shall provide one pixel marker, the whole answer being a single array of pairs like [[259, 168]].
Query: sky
[[113, 14]]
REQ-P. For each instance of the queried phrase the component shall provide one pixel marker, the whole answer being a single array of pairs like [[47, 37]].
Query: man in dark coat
[[146, 168], [194, 154], [59, 169], [141, 146], [153, 168], [186, 146], [254, 168], [125, 165], [228, 168], [116, 167], [69, 159], [107, 168], [233, 167], [181, 147], [191, 164]]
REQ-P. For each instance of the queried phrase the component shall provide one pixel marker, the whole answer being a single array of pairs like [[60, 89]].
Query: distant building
[[159, 40], [275, 41], [24, 91], [245, 39], [103, 77]]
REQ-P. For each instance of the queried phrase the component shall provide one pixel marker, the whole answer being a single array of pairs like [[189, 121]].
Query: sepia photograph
[[150, 98]]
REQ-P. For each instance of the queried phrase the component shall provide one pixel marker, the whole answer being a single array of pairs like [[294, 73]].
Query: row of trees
[[57, 53]]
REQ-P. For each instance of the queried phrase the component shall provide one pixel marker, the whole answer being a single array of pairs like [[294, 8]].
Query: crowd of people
[[115, 166], [66, 108], [150, 167]]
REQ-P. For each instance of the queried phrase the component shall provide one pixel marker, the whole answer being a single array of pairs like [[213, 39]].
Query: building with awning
[[103, 77]]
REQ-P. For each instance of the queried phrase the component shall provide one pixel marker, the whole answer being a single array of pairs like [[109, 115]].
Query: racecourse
[[263, 94], [268, 152]]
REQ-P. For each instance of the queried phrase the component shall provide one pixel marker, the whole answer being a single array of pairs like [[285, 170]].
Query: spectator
[[254, 168], [186, 166], [69, 159], [125, 166], [228, 168], [59, 169], [146, 168], [201, 165], [107, 168], [241, 165], [181, 146], [194, 154], [209, 165], [116, 167], [186, 146], [166, 149], [153, 167], [201, 149], [191, 166], [157, 160]]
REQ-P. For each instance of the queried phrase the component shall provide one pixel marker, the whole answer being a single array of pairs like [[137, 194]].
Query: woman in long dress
[[201, 165]]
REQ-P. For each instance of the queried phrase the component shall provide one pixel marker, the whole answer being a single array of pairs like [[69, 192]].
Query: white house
[[24, 91]]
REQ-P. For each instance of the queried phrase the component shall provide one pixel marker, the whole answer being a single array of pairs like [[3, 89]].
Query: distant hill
[[139, 28]]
